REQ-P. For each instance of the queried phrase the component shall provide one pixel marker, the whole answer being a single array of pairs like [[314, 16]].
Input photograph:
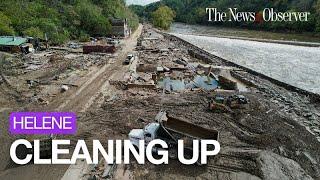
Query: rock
[[40, 99], [64, 88], [43, 101]]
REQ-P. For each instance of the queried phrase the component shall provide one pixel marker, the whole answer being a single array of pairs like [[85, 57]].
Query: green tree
[[5, 28], [34, 32], [92, 20], [62, 20], [193, 11], [139, 10], [163, 17], [317, 6]]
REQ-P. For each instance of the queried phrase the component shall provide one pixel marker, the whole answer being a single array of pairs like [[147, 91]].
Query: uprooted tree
[[163, 17]]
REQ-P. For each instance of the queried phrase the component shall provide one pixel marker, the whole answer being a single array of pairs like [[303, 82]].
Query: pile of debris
[[160, 64], [87, 49]]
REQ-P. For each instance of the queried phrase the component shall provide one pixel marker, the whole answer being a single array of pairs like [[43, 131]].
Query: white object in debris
[[160, 69], [31, 50], [161, 117], [64, 88], [166, 68]]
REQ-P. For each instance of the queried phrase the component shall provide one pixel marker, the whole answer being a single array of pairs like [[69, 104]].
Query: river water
[[296, 65]]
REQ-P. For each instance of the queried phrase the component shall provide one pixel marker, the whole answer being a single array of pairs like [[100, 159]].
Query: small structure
[[99, 49], [15, 44], [119, 28]]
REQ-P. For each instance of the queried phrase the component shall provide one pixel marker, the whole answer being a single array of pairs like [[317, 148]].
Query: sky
[[140, 2]]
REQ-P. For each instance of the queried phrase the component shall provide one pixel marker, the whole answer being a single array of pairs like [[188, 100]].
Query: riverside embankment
[[291, 64]]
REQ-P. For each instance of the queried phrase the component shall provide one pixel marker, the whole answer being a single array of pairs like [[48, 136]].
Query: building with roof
[[14, 44]]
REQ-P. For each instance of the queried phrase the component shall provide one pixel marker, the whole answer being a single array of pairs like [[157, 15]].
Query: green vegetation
[[163, 17], [34, 32], [62, 20], [193, 12], [317, 17], [5, 23], [138, 10]]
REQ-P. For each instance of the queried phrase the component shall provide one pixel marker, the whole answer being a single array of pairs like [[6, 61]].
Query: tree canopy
[[5, 25], [163, 17], [62, 19], [194, 12]]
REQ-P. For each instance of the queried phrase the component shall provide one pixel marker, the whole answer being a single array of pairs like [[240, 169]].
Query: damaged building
[[15, 44], [119, 28]]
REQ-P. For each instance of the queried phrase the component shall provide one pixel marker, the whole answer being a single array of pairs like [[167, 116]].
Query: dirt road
[[76, 100], [97, 82]]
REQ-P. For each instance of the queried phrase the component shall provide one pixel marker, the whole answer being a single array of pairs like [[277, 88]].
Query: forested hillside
[[62, 19], [193, 12]]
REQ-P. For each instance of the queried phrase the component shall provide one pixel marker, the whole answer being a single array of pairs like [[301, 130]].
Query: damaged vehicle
[[226, 104], [170, 130]]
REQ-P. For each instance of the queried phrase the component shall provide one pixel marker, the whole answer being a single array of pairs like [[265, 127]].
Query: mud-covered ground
[[267, 139], [34, 82], [244, 134]]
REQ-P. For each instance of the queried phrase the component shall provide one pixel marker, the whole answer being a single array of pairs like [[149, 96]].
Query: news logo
[[267, 15]]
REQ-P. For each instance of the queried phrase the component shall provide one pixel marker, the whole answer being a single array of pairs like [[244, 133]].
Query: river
[[296, 65]]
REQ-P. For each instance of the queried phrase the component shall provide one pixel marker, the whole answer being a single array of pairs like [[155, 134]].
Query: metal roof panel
[[12, 41]]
